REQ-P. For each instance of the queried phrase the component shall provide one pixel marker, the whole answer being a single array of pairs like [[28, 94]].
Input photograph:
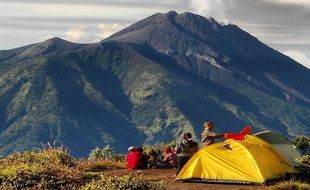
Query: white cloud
[[75, 34], [92, 11], [299, 57], [43, 38], [210, 8], [272, 21], [292, 2], [107, 29]]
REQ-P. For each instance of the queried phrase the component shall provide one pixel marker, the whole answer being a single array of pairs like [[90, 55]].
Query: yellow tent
[[248, 161]]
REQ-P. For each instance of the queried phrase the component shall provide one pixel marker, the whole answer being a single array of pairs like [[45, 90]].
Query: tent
[[251, 160], [282, 145]]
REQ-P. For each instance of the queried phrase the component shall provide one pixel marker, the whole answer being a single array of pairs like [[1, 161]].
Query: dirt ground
[[168, 175]]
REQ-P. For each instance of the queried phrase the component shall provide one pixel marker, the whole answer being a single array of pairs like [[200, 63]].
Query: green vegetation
[[106, 153], [55, 168], [304, 161], [119, 93], [302, 142], [130, 181], [291, 185], [48, 168]]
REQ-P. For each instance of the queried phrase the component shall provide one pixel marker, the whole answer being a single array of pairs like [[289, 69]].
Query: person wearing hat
[[208, 135], [185, 149], [131, 149]]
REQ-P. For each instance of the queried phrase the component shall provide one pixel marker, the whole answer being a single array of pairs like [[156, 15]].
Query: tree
[[106, 153], [303, 143], [95, 154]]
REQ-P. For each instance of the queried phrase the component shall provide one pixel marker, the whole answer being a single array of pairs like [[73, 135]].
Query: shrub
[[291, 185], [100, 165], [304, 161], [130, 181], [95, 154], [49, 168], [172, 144], [302, 142], [106, 153]]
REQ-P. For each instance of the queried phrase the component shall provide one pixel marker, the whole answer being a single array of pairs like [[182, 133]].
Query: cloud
[[173, 4], [210, 8], [107, 29], [271, 21], [299, 57], [75, 34], [292, 2]]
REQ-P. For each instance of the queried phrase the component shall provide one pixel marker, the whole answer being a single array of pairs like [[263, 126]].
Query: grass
[[99, 165], [55, 168], [47, 168], [129, 181], [291, 185]]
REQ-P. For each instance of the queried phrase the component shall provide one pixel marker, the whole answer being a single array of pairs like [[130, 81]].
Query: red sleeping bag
[[239, 136]]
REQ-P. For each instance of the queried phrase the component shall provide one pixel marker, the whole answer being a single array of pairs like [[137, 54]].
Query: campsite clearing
[[167, 175]]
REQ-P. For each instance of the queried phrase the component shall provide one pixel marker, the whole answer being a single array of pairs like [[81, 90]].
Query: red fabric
[[238, 136], [235, 136], [134, 160], [247, 130]]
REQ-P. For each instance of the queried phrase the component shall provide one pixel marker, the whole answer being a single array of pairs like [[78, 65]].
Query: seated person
[[155, 160], [144, 158], [170, 158], [133, 158]]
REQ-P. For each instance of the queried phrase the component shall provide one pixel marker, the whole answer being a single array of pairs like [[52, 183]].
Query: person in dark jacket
[[185, 149]]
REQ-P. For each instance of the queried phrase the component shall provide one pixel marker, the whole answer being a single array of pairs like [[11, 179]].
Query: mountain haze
[[148, 83]]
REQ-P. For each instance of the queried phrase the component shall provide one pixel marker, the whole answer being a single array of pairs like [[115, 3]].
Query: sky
[[281, 24]]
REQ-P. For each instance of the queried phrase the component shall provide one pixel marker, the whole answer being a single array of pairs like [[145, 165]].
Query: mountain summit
[[148, 83]]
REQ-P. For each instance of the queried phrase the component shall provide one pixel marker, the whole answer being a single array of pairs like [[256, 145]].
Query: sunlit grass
[[129, 181], [55, 168], [100, 165], [291, 185]]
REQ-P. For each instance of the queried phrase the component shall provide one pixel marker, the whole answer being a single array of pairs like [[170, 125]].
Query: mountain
[[148, 83]]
